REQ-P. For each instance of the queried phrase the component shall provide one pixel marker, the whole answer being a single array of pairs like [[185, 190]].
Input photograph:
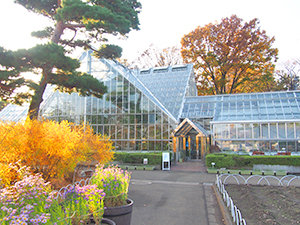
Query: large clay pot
[[120, 215]]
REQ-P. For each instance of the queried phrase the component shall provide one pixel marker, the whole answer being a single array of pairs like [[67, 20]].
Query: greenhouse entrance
[[189, 141]]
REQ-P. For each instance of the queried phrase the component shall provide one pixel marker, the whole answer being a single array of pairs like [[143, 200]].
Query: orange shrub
[[51, 148]]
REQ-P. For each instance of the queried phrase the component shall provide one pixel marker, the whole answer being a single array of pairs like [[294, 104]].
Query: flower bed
[[32, 201]]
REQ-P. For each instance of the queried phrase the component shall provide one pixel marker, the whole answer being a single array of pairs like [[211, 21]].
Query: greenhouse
[[158, 109]]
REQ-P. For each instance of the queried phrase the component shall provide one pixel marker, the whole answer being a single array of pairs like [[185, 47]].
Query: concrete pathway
[[178, 196]]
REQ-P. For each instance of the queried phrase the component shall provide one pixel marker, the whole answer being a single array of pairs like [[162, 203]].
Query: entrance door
[[193, 148]]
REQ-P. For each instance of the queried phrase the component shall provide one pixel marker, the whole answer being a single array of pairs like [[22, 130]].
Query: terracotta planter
[[120, 215]]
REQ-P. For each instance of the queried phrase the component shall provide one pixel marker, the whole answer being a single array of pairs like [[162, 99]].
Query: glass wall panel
[[291, 147], [297, 130], [106, 129], [113, 131], [138, 145], [248, 131], [158, 132], [274, 146], [165, 146], [152, 145], [240, 130], [232, 131], [273, 130], [218, 131], [226, 145], [265, 146], [151, 132], [249, 146], [132, 132], [225, 131], [138, 132], [256, 130], [282, 146], [265, 131], [145, 146], [290, 130], [281, 130]]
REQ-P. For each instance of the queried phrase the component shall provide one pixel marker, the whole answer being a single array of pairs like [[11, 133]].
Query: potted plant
[[32, 201], [115, 183]]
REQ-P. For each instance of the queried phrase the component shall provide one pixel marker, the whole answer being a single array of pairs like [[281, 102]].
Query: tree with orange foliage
[[51, 148], [230, 57]]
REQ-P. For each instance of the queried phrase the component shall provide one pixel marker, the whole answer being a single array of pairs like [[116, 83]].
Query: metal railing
[[235, 212], [284, 181]]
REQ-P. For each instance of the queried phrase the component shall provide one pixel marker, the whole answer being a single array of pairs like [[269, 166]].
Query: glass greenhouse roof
[[170, 85], [266, 106], [94, 67]]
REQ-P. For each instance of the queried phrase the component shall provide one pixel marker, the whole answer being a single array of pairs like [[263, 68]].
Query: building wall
[[268, 137], [128, 116]]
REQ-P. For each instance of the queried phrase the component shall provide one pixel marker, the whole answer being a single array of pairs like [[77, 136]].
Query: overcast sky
[[164, 22]]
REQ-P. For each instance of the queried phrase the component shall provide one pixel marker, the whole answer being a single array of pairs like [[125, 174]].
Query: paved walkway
[[190, 166], [183, 195]]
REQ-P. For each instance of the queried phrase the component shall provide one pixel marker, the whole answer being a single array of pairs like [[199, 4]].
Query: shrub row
[[247, 161], [154, 158]]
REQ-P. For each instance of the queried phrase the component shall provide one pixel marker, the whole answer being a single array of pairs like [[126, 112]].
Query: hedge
[[246, 161], [154, 158]]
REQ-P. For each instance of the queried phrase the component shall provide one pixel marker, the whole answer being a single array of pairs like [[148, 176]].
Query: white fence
[[285, 181]]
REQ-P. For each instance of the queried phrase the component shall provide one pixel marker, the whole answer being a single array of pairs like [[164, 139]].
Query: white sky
[[164, 22]]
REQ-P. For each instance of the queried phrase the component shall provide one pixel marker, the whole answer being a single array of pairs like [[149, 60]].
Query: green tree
[[89, 21], [231, 56]]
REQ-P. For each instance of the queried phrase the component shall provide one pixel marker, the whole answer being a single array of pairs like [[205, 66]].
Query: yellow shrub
[[51, 148]]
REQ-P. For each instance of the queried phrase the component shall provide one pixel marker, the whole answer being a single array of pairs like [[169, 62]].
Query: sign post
[[166, 161]]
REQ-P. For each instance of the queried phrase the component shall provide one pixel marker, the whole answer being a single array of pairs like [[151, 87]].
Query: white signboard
[[166, 161]]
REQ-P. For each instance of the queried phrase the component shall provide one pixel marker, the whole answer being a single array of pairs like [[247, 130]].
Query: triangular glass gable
[[129, 113], [170, 85]]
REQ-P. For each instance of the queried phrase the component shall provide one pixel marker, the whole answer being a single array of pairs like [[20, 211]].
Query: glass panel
[[281, 130], [264, 131], [265, 146], [240, 128], [248, 146], [256, 131], [145, 118], [233, 131], [138, 132], [273, 130], [113, 131], [225, 132], [119, 131], [158, 131], [297, 130], [290, 130], [138, 119], [145, 146], [106, 130], [125, 132], [151, 145], [248, 131], [217, 131], [151, 132], [282, 145], [138, 145], [132, 131], [225, 145], [274, 146], [291, 146], [165, 145]]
